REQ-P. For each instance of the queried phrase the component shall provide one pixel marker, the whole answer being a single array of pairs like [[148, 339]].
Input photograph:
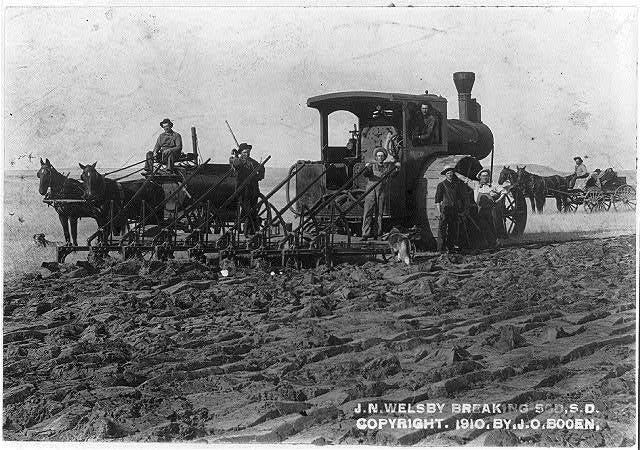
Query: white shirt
[[482, 189]]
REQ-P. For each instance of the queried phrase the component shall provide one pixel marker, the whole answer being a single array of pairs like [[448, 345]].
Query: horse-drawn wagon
[[598, 192], [601, 192]]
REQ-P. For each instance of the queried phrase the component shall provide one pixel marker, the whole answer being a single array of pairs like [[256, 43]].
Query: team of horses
[[537, 188], [109, 202]]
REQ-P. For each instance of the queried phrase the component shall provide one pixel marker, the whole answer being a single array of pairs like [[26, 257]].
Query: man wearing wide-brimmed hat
[[168, 147], [244, 165], [450, 198], [376, 200], [580, 171]]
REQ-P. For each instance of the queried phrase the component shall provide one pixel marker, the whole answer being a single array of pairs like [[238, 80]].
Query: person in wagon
[[244, 165], [167, 149], [488, 199], [593, 179], [579, 171], [450, 197], [376, 200]]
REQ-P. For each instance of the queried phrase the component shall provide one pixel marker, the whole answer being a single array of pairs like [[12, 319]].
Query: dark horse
[[104, 192], [537, 187], [63, 187], [507, 174]]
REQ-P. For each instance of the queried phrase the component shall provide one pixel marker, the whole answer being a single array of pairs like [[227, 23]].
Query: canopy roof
[[358, 102]]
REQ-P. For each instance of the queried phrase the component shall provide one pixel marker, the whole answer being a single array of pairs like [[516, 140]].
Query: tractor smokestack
[[468, 108]]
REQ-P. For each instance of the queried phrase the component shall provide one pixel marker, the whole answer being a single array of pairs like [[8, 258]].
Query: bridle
[[100, 181]]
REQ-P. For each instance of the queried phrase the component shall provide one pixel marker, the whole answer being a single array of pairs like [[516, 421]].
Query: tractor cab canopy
[[380, 115], [363, 103]]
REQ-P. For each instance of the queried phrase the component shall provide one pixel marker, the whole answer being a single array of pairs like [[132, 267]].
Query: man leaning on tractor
[[450, 198]]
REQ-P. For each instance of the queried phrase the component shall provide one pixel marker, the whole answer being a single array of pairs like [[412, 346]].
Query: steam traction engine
[[393, 120], [199, 213]]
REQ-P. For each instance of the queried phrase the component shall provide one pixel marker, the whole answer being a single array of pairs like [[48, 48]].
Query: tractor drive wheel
[[515, 213], [624, 198]]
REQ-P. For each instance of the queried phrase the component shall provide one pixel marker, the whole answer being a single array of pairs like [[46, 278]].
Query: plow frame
[[203, 233]]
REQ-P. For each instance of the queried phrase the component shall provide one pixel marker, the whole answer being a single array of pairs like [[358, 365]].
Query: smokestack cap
[[464, 81]]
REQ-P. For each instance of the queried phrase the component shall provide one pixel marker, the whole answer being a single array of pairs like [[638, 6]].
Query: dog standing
[[400, 244]]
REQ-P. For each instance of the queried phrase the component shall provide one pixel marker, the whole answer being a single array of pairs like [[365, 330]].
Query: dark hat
[[577, 158], [166, 121], [447, 169], [244, 146]]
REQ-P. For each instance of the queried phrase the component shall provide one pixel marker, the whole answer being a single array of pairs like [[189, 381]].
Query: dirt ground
[[174, 351]]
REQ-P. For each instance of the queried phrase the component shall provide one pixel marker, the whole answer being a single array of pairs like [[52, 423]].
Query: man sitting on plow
[[489, 201], [167, 149]]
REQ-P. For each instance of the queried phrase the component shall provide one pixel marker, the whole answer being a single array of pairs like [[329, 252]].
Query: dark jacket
[[243, 168], [452, 194], [169, 142], [427, 129]]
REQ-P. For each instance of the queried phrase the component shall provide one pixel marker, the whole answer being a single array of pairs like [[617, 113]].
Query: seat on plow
[[187, 157]]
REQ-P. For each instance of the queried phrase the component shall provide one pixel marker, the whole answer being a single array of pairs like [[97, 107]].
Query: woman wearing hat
[[168, 147], [489, 202], [376, 199]]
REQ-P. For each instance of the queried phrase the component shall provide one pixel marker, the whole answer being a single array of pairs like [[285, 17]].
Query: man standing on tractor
[[580, 171], [450, 198], [168, 147], [244, 165], [376, 199]]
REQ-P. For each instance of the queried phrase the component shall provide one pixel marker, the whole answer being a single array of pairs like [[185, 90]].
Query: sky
[[92, 84]]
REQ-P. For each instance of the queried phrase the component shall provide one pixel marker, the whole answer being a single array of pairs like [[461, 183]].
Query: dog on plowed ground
[[401, 245], [42, 241]]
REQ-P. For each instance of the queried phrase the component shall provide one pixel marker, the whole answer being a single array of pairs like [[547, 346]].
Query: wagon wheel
[[595, 200], [624, 198], [570, 205], [515, 213]]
